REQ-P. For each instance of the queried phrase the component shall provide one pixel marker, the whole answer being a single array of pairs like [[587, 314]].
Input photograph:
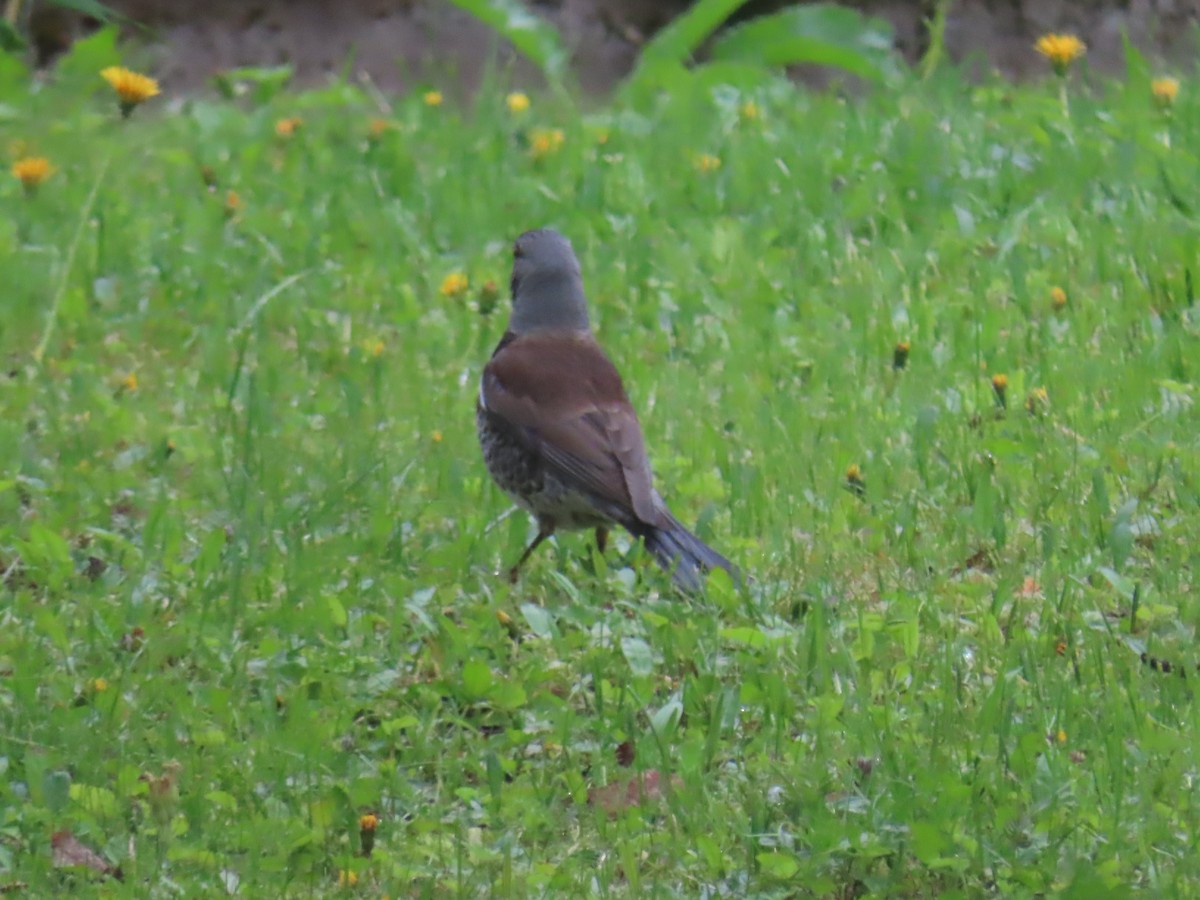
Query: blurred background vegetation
[[403, 44]]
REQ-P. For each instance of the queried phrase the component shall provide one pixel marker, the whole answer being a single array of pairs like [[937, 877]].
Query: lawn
[[921, 358]]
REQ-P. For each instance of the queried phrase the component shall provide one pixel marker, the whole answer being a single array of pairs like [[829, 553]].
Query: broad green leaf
[[97, 801], [507, 695], [477, 679], [222, 800], [56, 789], [337, 612], [263, 83], [638, 654], [711, 852], [743, 76], [540, 621], [928, 841], [676, 43], [210, 737], [1120, 536], [322, 813], [667, 717], [778, 866], [393, 726], [745, 635], [650, 77], [533, 36], [1122, 585], [790, 51], [819, 33], [83, 62], [662, 65]]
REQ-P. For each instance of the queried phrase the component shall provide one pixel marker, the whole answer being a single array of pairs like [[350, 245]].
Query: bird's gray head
[[547, 288]]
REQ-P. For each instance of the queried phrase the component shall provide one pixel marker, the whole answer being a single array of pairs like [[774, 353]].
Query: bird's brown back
[[563, 394]]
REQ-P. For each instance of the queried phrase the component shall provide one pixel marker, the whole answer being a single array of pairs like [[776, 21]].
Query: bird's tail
[[684, 555]]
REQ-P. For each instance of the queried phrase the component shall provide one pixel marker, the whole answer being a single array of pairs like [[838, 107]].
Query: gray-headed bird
[[557, 430]]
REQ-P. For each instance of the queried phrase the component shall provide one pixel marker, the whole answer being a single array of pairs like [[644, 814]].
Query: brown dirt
[[402, 44]]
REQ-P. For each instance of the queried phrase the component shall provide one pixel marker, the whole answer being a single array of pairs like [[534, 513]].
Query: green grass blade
[[88, 8]]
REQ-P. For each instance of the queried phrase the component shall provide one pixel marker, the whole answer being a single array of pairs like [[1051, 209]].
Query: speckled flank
[[520, 474]]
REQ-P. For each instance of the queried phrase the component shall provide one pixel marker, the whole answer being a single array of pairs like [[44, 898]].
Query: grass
[[250, 548]]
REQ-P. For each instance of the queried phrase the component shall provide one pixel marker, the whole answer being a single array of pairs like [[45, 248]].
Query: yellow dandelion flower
[[347, 878], [367, 824], [32, 171], [900, 354], [433, 98], [706, 163], [545, 141], [1000, 388], [1060, 49], [749, 112], [233, 203], [130, 382], [1058, 297], [517, 102], [454, 284], [99, 685], [1061, 736], [132, 88], [373, 347], [285, 128], [854, 480], [436, 437], [1165, 90], [1037, 402]]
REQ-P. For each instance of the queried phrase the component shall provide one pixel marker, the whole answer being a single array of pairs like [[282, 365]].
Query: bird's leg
[[601, 538], [544, 531]]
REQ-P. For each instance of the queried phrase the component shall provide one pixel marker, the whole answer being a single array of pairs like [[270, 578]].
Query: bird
[[556, 427]]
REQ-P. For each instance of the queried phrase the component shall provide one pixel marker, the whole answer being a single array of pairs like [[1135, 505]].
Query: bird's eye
[[517, 251]]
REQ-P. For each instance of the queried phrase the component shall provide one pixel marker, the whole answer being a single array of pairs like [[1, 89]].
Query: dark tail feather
[[684, 555]]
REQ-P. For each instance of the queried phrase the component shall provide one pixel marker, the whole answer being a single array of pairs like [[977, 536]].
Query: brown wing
[[565, 399]]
